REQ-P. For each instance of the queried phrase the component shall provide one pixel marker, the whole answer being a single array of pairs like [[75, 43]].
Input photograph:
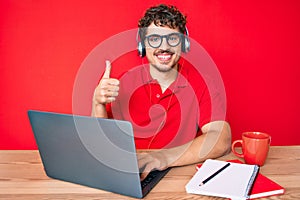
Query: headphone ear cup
[[186, 44], [141, 49]]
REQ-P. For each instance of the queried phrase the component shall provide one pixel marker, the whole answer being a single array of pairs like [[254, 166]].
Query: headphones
[[185, 43]]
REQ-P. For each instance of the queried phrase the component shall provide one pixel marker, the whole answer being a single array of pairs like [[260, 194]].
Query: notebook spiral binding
[[251, 181]]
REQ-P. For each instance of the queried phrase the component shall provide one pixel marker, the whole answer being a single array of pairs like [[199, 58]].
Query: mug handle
[[241, 155]]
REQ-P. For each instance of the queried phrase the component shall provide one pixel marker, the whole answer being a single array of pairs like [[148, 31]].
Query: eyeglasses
[[155, 40]]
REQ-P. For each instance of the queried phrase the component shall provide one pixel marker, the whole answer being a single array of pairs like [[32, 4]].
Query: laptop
[[93, 152]]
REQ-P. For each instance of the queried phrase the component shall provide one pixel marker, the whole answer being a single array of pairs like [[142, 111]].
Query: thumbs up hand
[[106, 92]]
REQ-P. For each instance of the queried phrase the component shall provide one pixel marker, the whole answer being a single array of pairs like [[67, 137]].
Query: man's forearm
[[215, 142], [99, 110]]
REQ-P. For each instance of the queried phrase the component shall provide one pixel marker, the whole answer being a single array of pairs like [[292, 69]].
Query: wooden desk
[[22, 177]]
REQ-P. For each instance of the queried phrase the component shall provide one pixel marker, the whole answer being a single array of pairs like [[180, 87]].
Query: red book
[[262, 187]]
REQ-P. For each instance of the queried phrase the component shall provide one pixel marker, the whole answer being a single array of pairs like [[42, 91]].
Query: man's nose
[[164, 44]]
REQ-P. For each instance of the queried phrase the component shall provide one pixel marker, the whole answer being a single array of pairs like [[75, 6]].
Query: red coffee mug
[[255, 147]]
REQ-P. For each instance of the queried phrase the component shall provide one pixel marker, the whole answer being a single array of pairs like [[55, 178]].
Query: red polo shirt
[[169, 119]]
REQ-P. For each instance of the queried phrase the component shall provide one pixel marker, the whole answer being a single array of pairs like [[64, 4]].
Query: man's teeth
[[164, 56]]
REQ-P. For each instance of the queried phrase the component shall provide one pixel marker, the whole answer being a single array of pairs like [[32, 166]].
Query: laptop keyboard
[[149, 178], [152, 179]]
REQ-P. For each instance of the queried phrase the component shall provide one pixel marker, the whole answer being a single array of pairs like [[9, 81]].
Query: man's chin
[[162, 67]]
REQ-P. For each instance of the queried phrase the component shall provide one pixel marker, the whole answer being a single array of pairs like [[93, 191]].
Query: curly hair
[[163, 15]]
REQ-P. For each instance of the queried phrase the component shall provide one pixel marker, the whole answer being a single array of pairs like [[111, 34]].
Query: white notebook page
[[233, 182]]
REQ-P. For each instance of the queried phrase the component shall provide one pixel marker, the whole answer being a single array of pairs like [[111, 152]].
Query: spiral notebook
[[234, 182], [262, 187]]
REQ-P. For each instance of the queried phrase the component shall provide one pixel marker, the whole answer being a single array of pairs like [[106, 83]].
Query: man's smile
[[164, 56]]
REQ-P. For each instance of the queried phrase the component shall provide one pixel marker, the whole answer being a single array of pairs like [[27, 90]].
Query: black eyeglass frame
[[162, 37]]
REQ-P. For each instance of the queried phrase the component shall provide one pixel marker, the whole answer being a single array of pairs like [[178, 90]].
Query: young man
[[168, 103]]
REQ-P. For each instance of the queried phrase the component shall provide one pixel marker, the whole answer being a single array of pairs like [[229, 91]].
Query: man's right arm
[[106, 92]]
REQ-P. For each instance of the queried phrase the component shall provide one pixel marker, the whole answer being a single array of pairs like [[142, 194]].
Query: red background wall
[[255, 45]]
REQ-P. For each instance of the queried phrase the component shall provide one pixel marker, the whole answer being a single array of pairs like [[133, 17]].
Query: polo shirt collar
[[180, 82]]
